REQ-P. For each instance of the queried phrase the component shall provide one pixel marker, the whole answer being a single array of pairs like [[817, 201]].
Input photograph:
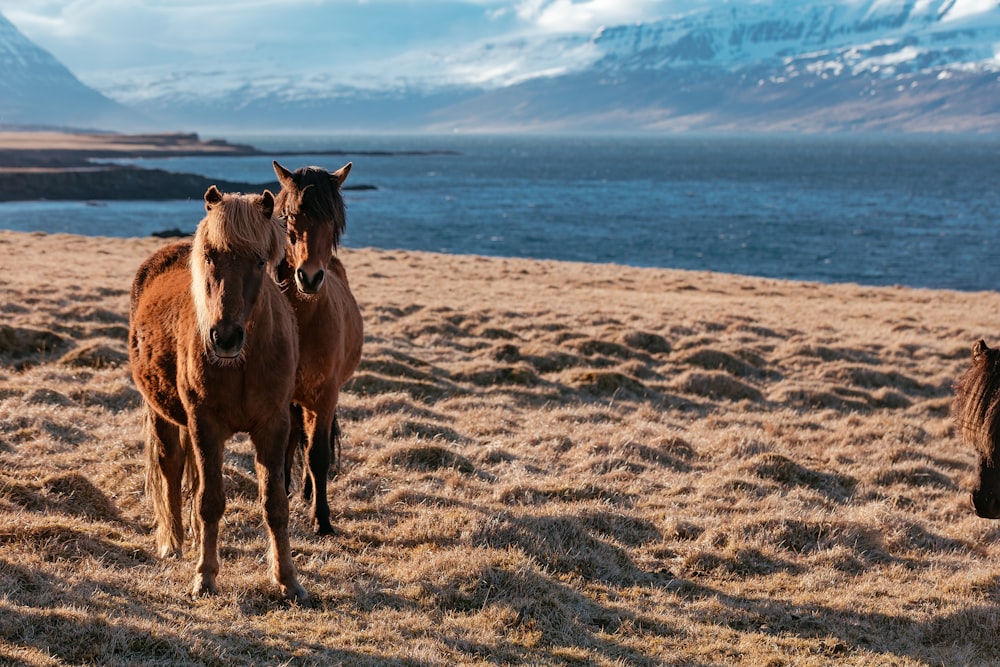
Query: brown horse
[[330, 328], [213, 350], [976, 409]]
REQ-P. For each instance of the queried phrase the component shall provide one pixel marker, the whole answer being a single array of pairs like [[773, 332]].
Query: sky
[[96, 37]]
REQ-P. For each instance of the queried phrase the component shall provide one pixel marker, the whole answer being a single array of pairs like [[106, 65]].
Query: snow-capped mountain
[[863, 35], [36, 89], [911, 65], [794, 65]]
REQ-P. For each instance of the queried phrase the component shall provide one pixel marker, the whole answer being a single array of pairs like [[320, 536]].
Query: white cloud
[[570, 16], [588, 15]]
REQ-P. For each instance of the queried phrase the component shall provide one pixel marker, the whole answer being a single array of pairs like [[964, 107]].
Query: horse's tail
[[163, 480], [190, 483]]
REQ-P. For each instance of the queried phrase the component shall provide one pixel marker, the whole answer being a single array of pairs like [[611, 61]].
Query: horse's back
[[168, 258], [338, 269]]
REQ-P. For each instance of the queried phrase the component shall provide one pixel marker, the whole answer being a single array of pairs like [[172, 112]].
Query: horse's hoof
[[204, 585], [167, 551], [324, 528], [295, 593]]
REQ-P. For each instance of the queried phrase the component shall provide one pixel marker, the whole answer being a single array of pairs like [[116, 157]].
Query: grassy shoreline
[[545, 463]]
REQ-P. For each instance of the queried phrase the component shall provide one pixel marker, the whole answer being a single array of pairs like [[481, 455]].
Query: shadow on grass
[[102, 632], [970, 633]]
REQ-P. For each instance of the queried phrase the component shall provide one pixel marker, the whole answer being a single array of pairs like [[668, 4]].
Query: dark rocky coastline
[[116, 183], [119, 183], [61, 173]]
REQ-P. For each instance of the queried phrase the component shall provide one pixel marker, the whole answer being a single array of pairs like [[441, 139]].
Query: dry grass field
[[544, 463]]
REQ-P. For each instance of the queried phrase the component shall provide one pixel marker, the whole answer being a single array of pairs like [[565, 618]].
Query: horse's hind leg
[[269, 444], [296, 435], [164, 470], [301, 443], [317, 460]]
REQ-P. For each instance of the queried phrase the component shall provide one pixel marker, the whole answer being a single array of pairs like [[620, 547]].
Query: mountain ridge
[[37, 90], [858, 65]]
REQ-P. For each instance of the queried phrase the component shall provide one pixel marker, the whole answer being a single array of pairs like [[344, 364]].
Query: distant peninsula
[[60, 166]]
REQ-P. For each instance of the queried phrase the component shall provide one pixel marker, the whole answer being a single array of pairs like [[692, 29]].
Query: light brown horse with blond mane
[[213, 348], [330, 328]]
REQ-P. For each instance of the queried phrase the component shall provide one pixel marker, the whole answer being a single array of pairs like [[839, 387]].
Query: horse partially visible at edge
[[213, 349], [976, 410], [331, 333]]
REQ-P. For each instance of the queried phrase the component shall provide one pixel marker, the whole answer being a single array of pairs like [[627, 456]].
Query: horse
[[213, 350], [331, 333], [976, 409]]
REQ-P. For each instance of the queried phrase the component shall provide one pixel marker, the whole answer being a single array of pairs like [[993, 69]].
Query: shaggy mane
[[237, 225], [315, 197]]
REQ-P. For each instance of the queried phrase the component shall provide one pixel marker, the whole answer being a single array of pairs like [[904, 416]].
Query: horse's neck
[[312, 307]]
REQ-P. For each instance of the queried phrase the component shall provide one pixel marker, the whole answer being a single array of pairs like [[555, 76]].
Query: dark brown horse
[[213, 349], [976, 409], [330, 328]]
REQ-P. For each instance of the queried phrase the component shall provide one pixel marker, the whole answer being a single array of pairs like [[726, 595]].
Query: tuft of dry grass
[[544, 463]]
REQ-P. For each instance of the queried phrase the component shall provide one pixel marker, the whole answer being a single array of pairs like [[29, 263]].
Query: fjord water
[[914, 211]]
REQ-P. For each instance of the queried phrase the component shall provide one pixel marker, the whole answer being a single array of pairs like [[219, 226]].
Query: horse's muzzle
[[309, 284], [227, 340]]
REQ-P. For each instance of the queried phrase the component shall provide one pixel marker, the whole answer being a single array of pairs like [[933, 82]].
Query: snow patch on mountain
[[882, 38]]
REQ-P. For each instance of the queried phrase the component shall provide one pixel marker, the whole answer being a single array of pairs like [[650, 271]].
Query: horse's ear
[[284, 176], [340, 175], [267, 203], [979, 349], [212, 197]]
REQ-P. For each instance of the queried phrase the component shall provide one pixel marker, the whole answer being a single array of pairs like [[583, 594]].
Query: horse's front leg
[[318, 426], [269, 444], [209, 504]]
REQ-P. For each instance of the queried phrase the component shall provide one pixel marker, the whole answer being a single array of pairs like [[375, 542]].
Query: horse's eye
[[208, 260], [261, 262]]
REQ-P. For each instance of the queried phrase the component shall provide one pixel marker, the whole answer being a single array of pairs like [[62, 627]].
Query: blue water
[[915, 211]]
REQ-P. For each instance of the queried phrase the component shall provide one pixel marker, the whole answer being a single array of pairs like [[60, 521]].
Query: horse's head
[[977, 413], [235, 244], [312, 207]]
